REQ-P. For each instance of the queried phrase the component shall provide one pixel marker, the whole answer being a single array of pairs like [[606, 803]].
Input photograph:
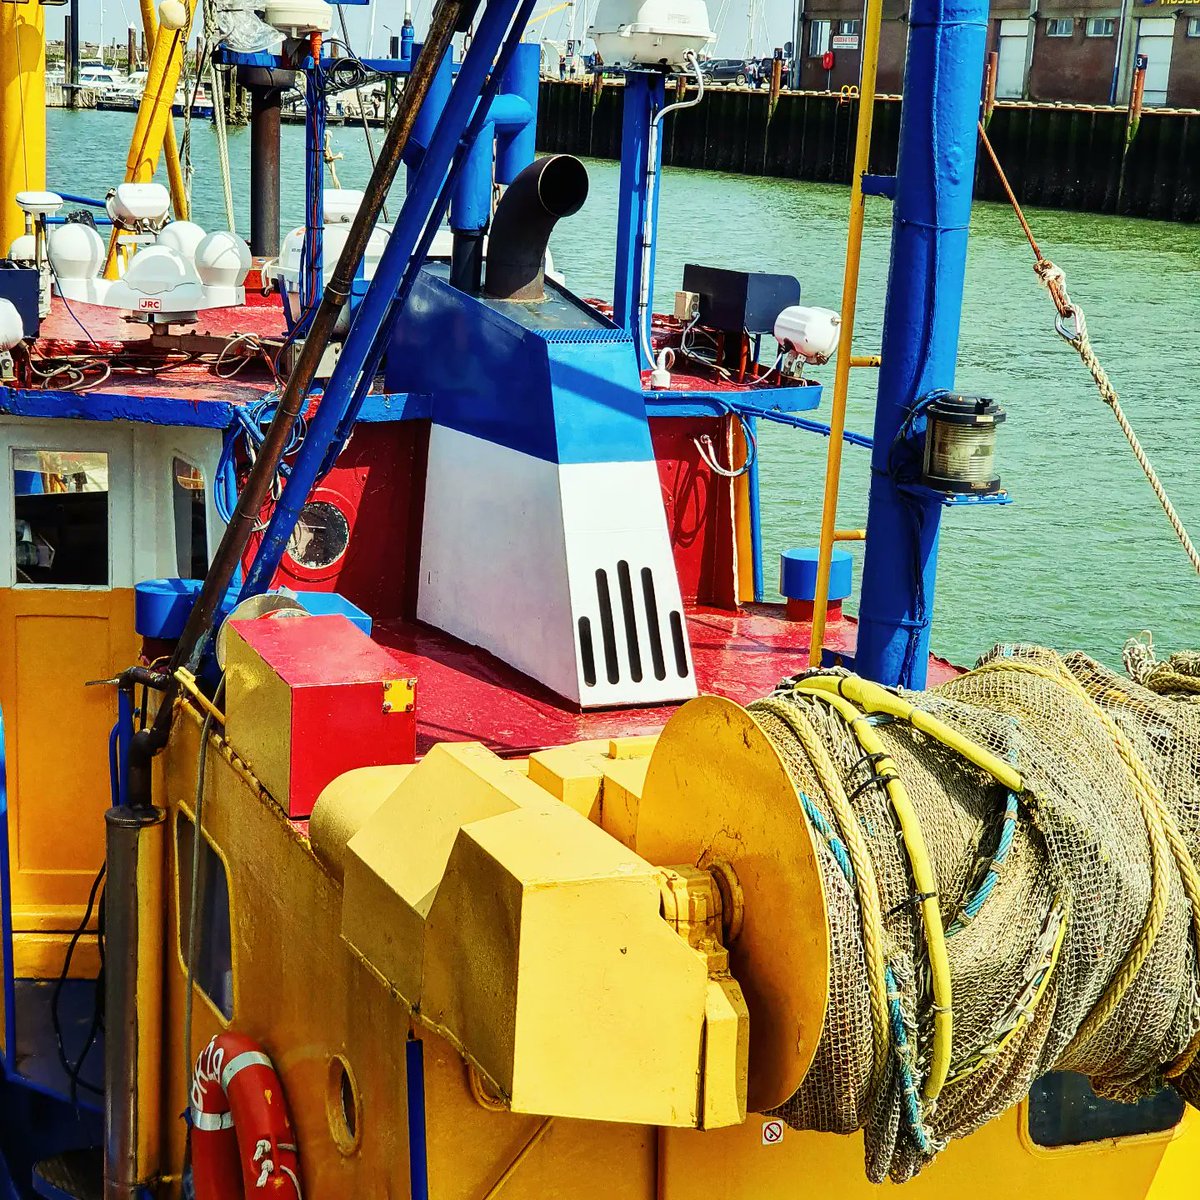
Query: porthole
[[343, 1106], [321, 536]]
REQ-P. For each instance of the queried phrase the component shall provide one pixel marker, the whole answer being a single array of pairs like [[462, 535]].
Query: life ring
[[241, 1136]]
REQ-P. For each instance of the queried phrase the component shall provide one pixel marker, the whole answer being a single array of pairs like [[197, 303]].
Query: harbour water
[[1084, 556]]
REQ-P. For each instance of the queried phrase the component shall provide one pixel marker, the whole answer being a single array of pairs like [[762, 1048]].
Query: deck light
[[960, 444]]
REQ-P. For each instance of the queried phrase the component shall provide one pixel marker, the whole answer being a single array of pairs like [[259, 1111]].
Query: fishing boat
[[128, 97], [407, 788]]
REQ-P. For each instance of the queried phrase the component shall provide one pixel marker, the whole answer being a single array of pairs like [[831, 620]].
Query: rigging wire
[[1071, 325], [362, 112]]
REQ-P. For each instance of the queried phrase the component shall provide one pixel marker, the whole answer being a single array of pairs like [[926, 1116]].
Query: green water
[[1084, 557]]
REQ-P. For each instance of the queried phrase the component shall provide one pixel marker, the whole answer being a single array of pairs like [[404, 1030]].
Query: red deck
[[93, 331], [465, 694], [62, 334]]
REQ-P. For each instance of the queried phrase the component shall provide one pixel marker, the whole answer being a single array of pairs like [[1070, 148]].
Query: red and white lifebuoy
[[242, 1139]]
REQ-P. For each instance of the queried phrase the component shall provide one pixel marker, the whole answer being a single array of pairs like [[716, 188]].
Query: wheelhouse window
[[189, 501], [213, 964], [60, 506], [849, 27], [1193, 27], [818, 37], [1064, 1111], [1101, 27], [1060, 27]]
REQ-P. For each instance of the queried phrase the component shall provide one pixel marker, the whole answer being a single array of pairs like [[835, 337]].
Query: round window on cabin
[[321, 536], [342, 1106]]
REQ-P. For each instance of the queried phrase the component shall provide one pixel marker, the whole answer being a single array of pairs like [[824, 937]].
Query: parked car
[[727, 70]]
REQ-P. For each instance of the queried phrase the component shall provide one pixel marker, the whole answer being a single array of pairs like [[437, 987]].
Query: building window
[[1193, 27], [818, 38], [214, 947], [1064, 1111], [1060, 27], [1101, 27], [191, 521], [60, 501]]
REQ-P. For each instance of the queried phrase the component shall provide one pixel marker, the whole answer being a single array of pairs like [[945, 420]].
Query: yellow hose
[[872, 698], [922, 876]]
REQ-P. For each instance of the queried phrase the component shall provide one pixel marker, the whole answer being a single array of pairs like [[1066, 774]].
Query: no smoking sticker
[[772, 1133]]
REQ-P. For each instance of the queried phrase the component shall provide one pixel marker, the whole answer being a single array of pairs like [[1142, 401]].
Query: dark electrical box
[[737, 300], [21, 286]]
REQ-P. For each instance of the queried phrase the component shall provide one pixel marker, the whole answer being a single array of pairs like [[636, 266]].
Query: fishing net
[[1068, 900]]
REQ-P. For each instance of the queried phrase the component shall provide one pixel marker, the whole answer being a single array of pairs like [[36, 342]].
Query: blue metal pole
[[472, 93], [71, 198], [516, 147], [124, 738], [471, 207], [510, 126], [418, 1161], [942, 82], [428, 118], [644, 93]]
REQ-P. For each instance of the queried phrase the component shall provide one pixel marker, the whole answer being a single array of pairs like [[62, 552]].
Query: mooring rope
[[1072, 327]]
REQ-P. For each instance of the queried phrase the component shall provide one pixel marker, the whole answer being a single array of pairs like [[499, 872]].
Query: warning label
[[772, 1133]]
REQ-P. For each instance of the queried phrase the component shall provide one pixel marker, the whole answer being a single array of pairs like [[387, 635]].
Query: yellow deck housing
[[427, 870]]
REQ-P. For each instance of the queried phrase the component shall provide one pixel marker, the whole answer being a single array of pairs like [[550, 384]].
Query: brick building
[[1073, 51]]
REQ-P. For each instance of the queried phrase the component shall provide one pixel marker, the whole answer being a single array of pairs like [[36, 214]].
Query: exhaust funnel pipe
[[546, 190]]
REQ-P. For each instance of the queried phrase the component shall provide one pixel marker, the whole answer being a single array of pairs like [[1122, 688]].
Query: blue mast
[[934, 180]]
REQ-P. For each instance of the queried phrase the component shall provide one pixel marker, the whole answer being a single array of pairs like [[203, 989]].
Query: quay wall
[[1059, 156]]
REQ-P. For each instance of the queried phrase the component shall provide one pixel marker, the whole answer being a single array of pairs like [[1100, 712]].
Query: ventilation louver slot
[[645, 651], [607, 627]]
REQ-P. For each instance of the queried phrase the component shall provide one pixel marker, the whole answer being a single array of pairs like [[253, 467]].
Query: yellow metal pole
[[154, 112], [841, 380], [22, 112], [179, 200]]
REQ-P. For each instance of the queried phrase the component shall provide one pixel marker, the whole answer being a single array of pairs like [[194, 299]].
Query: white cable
[[643, 313]]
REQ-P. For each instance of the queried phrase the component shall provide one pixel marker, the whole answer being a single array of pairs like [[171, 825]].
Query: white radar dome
[[158, 269], [183, 237], [810, 333], [23, 249], [222, 258], [650, 32], [297, 18], [11, 329], [77, 251]]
